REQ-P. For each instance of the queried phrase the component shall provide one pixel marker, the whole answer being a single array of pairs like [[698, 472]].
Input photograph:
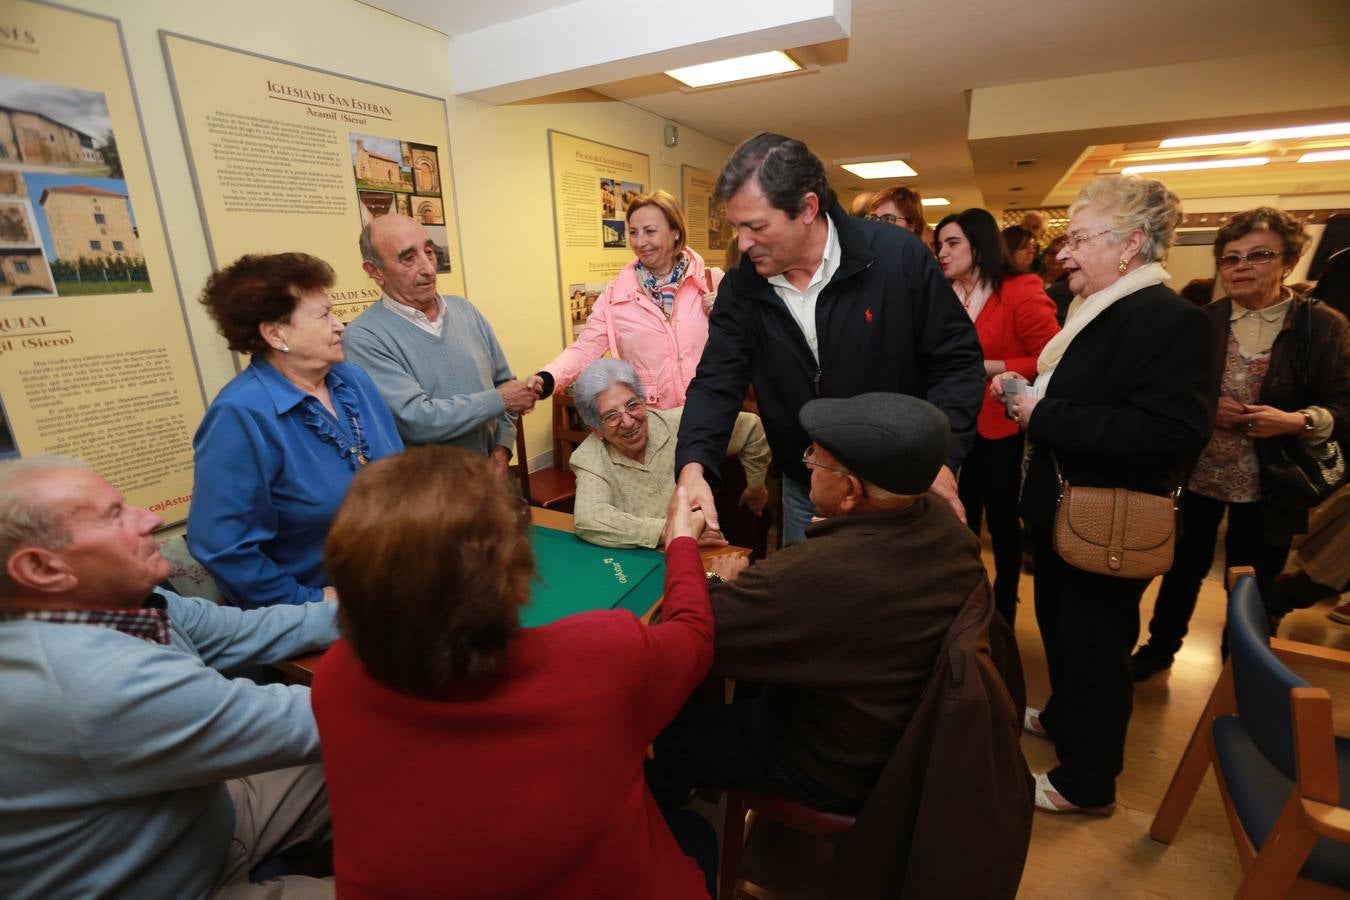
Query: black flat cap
[[895, 441]]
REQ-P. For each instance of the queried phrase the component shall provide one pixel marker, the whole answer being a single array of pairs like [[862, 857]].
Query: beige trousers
[[273, 812]]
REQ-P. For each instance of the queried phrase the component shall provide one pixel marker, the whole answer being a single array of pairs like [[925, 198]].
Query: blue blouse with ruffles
[[272, 465]]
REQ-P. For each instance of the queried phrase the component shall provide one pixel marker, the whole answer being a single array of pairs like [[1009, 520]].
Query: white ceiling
[[455, 17], [902, 85]]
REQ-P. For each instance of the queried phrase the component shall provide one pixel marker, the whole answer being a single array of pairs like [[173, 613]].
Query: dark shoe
[[1340, 614], [1297, 591], [1148, 661]]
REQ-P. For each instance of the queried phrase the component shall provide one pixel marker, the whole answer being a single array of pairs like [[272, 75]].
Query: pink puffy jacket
[[663, 353]]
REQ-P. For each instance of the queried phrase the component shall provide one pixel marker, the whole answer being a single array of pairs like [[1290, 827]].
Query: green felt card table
[[572, 576]]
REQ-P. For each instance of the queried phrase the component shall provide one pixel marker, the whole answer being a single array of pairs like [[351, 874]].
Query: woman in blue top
[[281, 442]]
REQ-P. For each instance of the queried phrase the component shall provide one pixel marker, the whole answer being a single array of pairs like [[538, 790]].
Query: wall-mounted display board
[[592, 186], [709, 232], [95, 357], [289, 158]]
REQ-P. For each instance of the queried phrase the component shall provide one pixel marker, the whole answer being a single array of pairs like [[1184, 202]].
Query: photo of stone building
[[32, 138], [89, 222], [23, 273], [375, 168], [426, 170], [53, 127], [377, 163], [428, 210]]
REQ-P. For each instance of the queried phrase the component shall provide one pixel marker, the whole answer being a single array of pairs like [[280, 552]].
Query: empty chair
[[1281, 769]]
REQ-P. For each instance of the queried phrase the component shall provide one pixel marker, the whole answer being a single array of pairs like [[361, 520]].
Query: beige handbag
[[1112, 531]]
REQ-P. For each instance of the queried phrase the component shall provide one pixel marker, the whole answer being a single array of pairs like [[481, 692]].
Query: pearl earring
[[286, 348]]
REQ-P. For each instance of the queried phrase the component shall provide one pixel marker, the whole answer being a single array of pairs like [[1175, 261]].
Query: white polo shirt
[[802, 304]]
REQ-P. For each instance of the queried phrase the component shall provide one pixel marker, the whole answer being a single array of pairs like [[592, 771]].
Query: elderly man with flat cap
[[841, 630]]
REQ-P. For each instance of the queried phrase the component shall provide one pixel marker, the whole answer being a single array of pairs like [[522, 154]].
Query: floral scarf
[[663, 293]]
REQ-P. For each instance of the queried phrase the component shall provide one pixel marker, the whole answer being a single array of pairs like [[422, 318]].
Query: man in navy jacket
[[822, 305]]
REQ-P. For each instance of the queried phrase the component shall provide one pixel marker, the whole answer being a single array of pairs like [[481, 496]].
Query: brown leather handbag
[[1113, 531]]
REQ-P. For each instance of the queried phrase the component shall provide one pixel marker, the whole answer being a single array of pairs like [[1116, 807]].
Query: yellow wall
[[499, 155]]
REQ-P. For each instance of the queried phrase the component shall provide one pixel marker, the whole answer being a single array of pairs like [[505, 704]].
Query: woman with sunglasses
[[1281, 367], [626, 467]]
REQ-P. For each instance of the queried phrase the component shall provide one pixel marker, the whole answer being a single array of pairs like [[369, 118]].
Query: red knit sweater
[[531, 784]]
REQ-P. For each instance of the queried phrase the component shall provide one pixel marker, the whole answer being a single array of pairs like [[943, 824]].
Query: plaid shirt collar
[[149, 623]]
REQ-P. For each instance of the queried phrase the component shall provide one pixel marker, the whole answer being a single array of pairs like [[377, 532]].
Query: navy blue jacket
[[887, 321]]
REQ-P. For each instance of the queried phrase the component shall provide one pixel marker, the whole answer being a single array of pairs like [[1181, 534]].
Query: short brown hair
[[261, 288], [1263, 218], [907, 200], [430, 556], [669, 206]]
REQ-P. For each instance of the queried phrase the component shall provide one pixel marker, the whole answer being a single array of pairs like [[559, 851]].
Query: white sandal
[[1031, 723], [1044, 802]]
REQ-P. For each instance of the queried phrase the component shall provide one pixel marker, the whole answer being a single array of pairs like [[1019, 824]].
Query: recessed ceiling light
[[878, 168], [756, 65], [1325, 156], [1330, 129], [936, 201], [1236, 163]]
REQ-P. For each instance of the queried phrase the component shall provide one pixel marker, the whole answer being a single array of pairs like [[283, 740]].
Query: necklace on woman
[[357, 450]]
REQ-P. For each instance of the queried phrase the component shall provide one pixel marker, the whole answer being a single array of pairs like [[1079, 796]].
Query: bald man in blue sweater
[[130, 766]]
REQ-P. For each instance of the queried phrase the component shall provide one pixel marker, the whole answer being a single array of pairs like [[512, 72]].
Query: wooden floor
[[1086, 857]]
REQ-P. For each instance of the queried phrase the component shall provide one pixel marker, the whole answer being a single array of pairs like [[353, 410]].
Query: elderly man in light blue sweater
[[434, 359], [130, 766]]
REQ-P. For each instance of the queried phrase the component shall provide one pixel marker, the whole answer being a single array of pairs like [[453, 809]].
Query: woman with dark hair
[[653, 315], [280, 443], [1121, 400], [467, 756], [1020, 245], [898, 206], [1281, 367], [1014, 320]]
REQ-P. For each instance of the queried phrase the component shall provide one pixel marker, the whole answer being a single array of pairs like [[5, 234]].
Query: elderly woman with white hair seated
[[626, 468]]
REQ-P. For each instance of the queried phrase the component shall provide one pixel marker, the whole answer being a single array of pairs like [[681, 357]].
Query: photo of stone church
[[377, 163]]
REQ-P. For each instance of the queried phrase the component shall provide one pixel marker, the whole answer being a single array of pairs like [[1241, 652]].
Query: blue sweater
[[114, 750], [269, 476], [441, 390]]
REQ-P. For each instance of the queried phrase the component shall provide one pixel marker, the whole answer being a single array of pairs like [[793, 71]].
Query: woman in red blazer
[[467, 756], [1014, 319]]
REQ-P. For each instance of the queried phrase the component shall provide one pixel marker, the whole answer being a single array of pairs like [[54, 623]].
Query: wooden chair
[[742, 811], [1269, 737], [551, 488]]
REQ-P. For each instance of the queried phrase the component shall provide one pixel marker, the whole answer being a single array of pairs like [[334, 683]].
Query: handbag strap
[[1064, 485]]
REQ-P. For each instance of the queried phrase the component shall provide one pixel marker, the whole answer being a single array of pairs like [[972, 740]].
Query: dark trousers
[[732, 745], [1089, 624], [1244, 545], [990, 478]]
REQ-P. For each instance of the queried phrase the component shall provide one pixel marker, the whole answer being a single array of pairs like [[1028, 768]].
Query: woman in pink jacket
[[653, 315]]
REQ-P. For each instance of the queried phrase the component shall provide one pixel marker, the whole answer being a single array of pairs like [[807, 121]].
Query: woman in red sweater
[[1014, 320], [468, 757]]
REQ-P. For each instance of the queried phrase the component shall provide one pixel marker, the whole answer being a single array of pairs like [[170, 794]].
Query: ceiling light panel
[[740, 68], [936, 201], [1237, 163], [885, 168], [1329, 129], [1325, 156]]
